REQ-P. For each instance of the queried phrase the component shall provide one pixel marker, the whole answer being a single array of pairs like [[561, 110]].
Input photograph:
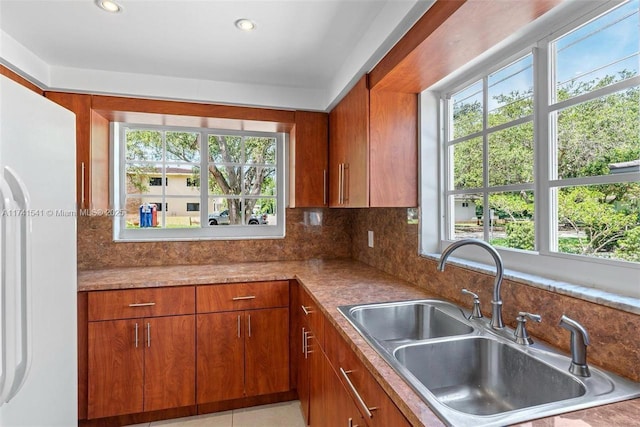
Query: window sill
[[608, 299]]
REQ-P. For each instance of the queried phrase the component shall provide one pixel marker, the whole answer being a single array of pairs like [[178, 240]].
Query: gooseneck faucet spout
[[496, 317]]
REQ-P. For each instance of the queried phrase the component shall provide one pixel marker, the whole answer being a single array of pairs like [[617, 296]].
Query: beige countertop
[[335, 283]]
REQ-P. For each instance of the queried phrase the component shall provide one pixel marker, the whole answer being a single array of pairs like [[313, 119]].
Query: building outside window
[[193, 207], [156, 181]]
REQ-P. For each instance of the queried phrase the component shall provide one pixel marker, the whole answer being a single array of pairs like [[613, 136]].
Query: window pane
[[467, 216], [467, 164], [467, 111], [225, 149], [183, 146], [177, 178], [512, 224], [225, 211], [511, 92], [260, 180], [144, 178], [260, 211], [178, 214], [595, 136], [511, 155], [225, 180], [600, 221], [143, 145], [260, 150], [599, 53]]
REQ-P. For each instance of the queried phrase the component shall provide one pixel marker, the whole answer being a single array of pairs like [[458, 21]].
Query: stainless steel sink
[[407, 321], [482, 376], [473, 375]]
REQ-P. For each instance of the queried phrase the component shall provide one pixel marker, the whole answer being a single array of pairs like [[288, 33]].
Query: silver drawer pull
[[142, 304], [364, 406], [243, 298], [306, 310]]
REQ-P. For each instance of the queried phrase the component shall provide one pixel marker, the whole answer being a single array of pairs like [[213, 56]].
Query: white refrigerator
[[38, 297]]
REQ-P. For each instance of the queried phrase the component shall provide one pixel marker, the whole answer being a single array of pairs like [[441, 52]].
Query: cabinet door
[[267, 351], [92, 150], [116, 366], [393, 154], [349, 149], [309, 167], [303, 372], [220, 356], [170, 346], [340, 409], [317, 397]]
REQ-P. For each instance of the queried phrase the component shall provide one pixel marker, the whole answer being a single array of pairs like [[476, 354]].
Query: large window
[[243, 198], [541, 155]]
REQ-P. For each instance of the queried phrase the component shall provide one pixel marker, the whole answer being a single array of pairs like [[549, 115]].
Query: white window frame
[[545, 265], [205, 232]]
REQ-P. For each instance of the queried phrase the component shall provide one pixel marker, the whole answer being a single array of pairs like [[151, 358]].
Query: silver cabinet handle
[[243, 298], [142, 304], [340, 183], [238, 326], [307, 335], [249, 328], [82, 198], [306, 310], [345, 182], [367, 410], [324, 187], [136, 334], [351, 424], [148, 334], [304, 341]]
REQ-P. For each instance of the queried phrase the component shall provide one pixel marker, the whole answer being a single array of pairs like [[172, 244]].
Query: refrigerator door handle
[[22, 249], [7, 291]]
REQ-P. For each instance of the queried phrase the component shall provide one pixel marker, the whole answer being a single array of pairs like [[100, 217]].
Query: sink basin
[[473, 375], [483, 376], [413, 321]]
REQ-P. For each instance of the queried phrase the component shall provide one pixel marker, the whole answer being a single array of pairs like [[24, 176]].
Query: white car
[[222, 218]]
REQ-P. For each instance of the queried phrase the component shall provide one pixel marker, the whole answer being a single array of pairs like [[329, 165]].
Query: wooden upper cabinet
[[393, 154], [349, 149], [92, 150], [309, 160], [373, 149]]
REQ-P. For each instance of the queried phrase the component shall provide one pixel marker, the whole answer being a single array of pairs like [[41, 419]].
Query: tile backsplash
[[310, 233], [342, 234]]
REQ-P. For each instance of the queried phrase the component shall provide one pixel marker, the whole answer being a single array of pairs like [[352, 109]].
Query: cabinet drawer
[[136, 303], [242, 296], [311, 317]]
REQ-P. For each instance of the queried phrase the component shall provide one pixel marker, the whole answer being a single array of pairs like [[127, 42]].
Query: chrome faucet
[[496, 316], [579, 343]]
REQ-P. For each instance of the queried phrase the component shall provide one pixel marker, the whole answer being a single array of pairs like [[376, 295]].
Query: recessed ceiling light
[[109, 6], [245, 24]]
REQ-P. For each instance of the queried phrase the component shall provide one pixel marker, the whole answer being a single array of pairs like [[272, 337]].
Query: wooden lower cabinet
[[340, 410], [116, 368], [331, 397], [220, 357], [170, 363], [242, 354], [140, 365]]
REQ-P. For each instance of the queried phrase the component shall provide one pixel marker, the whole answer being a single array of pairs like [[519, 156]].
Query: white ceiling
[[304, 53]]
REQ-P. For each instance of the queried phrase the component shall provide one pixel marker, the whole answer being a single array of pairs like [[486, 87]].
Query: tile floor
[[285, 414]]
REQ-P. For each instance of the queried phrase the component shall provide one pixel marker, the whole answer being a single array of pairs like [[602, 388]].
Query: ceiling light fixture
[[245, 24], [109, 6]]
